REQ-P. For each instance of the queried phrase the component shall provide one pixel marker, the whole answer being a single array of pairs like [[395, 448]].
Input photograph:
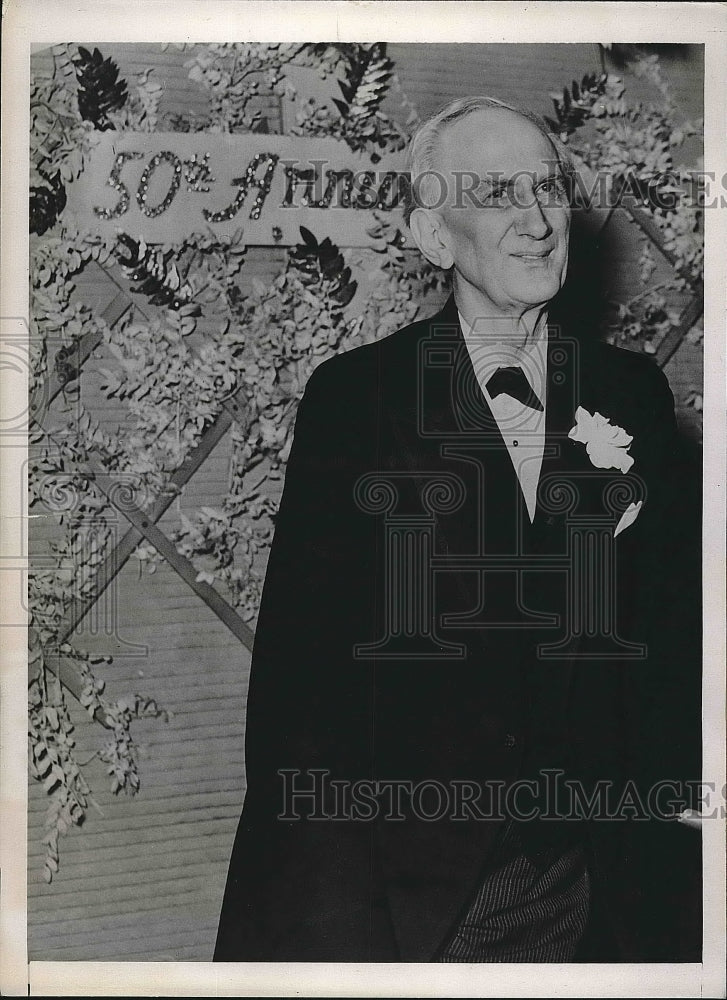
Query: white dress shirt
[[522, 427]]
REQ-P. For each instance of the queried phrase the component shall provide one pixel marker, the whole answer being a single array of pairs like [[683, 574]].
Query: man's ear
[[430, 235]]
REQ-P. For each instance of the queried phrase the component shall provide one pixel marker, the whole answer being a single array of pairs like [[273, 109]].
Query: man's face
[[509, 244]]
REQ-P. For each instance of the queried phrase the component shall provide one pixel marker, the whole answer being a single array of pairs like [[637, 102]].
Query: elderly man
[[462, 677]]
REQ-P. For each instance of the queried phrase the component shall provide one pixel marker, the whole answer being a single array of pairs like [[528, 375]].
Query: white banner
[[164, 187]]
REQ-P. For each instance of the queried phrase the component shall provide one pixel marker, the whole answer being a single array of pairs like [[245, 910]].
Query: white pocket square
[[628, 517]]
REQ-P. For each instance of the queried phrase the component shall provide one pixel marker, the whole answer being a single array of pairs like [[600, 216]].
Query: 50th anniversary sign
[[166, 186]]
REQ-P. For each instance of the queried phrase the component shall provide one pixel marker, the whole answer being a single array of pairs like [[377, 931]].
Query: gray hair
[[425, 143]]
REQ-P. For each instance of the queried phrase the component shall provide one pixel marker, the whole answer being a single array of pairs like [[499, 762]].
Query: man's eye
[[553, 189]]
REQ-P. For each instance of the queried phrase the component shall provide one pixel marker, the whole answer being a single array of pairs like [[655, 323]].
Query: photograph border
[[30, 23]]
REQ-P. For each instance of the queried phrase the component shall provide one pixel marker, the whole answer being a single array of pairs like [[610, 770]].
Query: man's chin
[[537, 292]]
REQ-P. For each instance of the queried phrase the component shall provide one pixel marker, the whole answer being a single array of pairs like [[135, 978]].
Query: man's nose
[[531, 220]]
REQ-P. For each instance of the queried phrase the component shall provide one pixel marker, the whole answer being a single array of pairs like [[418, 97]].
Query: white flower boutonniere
[[606, 444]]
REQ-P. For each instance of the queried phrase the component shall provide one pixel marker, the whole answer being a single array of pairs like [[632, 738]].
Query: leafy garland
[[360, 122], [157, 275], [99, 89], [236, 77]]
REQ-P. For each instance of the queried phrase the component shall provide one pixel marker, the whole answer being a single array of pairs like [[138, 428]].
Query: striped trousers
[[523, 912]]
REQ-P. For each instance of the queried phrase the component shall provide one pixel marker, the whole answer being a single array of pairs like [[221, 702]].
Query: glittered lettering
[[114, 181], [245, 183], [143, 191]]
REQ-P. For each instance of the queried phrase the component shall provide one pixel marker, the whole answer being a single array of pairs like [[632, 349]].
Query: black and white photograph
[[363, 499]]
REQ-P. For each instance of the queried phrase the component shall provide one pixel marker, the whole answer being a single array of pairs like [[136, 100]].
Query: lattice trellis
[[142, 524]]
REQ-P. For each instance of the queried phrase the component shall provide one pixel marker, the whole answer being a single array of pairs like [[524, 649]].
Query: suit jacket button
[[510, 741]]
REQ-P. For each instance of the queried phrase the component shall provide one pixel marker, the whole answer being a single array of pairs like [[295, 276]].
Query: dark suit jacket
[[498, 677]]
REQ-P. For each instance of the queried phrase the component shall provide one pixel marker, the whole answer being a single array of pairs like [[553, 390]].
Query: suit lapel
[[562, 457]]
